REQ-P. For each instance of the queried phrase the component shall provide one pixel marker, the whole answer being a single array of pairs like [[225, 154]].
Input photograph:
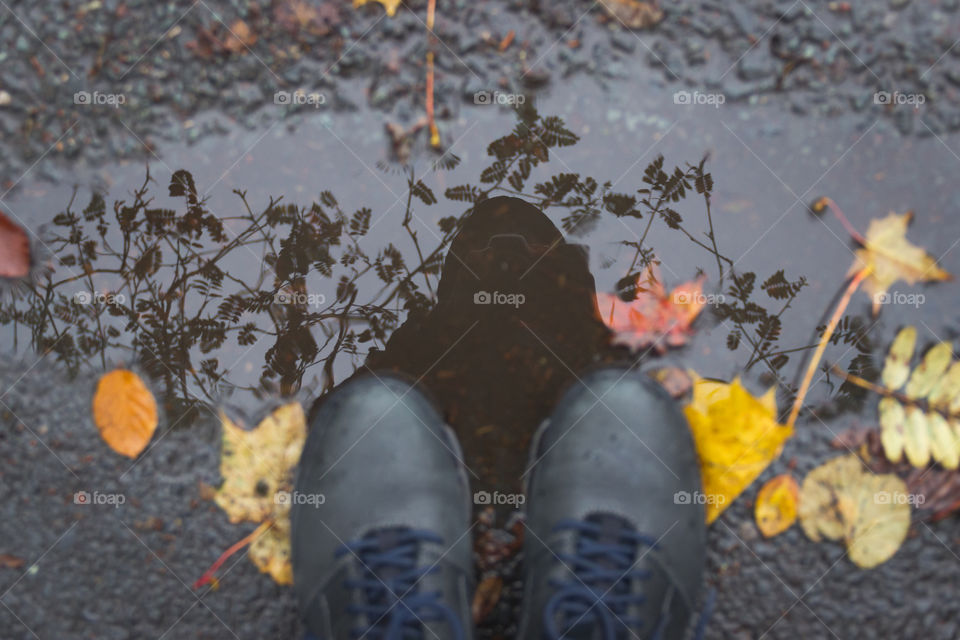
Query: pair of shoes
[[609, 551]]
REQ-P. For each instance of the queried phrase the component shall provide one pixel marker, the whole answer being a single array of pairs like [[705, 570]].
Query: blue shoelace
[[393, 605], [600, 594]]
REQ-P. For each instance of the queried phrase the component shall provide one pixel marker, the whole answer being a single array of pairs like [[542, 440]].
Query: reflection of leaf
[[14, 249], [891, 257], [776, 507], [737, 435], [257, 469], [654, 317], [125, 412], [870, 512]]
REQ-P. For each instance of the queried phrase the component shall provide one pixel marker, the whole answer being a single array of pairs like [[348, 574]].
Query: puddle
[[302, 251]]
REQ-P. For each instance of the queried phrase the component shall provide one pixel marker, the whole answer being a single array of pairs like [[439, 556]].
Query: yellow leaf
[[257, 469], [893, 428], [928, 372], [896, 367], [821, 513], [871, 513], [916, 442], [946, 390], [125, 412], [891, 257], [389, 5], [776, 507], [944, 445], [736, 434]]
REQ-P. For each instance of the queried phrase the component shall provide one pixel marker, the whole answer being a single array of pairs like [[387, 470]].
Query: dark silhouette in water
[[516, 321]]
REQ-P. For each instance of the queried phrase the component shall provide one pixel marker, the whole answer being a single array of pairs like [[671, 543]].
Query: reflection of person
[[610, 552]]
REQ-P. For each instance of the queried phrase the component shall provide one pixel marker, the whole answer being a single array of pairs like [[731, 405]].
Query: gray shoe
[[615, 538], [386, 554]]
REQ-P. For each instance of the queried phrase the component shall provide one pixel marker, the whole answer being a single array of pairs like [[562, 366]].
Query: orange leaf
[[776, 507], [125, 412], [14, 249], [654, 318]]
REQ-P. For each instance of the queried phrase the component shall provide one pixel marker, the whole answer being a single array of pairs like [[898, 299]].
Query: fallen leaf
[[301, 16], [10, 561], [654, 318], [776, 507], [239, 37], [891, 257], [840, 500], [905, 427], [737, 435], [929, 372], [14, 249], [896, 366], [257, 469], [675, 380], [634, 14], [125, 412], [389, 5], [486, 597]]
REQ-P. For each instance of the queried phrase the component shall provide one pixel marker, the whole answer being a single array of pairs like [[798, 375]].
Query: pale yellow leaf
[[916, 437], [946, 389], [896, 366], [891, 257], [944, 445], [893, 428], [928, 372]]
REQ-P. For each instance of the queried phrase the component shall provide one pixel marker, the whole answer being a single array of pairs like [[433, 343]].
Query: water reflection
[[186, 293]]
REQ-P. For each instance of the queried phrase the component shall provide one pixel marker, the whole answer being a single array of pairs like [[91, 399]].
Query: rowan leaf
[[125, 412], [929, 372], [891, 257], [896, 367], [893, 428], [946, 392], [776, 507], [944, 444], [737, 435], [916, 442]]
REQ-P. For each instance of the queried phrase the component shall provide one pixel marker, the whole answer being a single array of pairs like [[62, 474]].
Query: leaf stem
[[827, 333], [208, 574]]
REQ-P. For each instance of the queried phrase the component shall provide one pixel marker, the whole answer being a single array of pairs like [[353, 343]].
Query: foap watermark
[[86, 98], [899, 497], [299, 298], [99, 297], [495, 498], [699, 98], [698, 298], [295, 497], [498, 97], [896, 297], [697, 497], [512, 299], [899, 98], [85, 497], [300, 97]]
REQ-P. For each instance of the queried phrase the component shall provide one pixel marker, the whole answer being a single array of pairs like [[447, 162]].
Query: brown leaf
[[10, 561], [239, 37], [14, 249], [634, 14]]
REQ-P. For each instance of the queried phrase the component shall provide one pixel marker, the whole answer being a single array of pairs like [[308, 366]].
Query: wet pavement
[[780, 95]]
